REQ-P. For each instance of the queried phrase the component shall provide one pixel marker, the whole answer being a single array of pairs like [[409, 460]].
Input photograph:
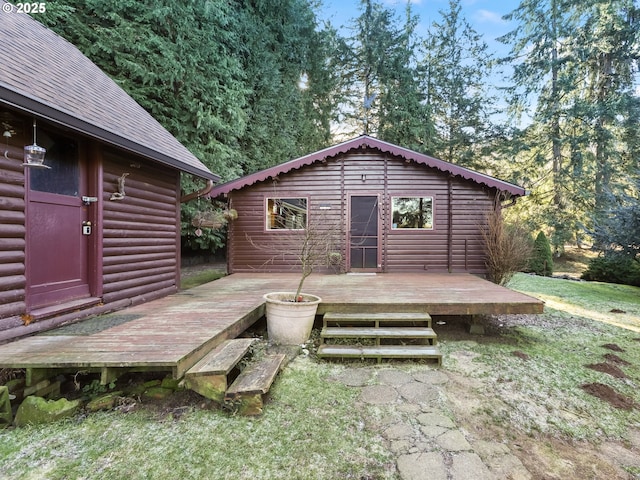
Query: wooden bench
[[246, 394], [210, 376]]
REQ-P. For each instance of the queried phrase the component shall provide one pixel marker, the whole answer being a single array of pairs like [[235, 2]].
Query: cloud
[[486, 16]]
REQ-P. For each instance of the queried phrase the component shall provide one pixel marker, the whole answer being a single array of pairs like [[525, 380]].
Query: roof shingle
[[69, 90]]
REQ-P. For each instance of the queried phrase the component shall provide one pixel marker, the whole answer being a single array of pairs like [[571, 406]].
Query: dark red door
[[56, 244]]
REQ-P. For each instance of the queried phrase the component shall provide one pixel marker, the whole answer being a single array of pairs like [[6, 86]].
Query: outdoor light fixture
[[364, 177], [34, 154]]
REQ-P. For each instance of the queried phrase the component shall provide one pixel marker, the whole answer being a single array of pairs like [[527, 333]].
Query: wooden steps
[[246, 394], [394, 335], [211, 376]]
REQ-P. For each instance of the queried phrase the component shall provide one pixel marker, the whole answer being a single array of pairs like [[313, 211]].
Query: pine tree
[[379, 81], [458, 65], [541, 260]]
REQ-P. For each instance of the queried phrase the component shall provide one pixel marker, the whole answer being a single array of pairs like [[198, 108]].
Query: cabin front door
[[57, 240], [363, 233]]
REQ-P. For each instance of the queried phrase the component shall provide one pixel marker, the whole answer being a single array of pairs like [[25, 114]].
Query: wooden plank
[[258, 377], [378, 351], [370, 317], [381, 332], [222, 359]]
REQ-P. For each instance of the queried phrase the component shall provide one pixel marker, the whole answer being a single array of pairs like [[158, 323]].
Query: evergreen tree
[[541, 260], [458, 65], [379, 81]]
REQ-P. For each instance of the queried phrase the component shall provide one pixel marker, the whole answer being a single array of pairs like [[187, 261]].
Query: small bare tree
[[312, 246], [508, 247]]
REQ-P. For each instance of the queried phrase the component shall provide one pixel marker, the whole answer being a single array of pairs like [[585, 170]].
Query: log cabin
[[95, 226], [392, 210]]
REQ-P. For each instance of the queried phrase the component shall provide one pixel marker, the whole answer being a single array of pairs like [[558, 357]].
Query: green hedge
[[614, 268]]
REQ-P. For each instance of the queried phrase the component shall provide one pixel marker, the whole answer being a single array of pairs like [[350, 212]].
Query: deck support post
[[477, 326], [109, 375], [36, 375]]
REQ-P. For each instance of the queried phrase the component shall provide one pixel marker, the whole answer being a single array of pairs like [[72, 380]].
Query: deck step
[[246, 393], [381, 332], [222, 359], [210, 376], [377, 318], [380, 351]]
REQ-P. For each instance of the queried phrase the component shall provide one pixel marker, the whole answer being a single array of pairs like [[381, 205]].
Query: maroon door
[[56, 244]]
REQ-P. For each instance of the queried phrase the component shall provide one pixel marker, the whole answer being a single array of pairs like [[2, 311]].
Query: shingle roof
[[68, 89], [364, 142]]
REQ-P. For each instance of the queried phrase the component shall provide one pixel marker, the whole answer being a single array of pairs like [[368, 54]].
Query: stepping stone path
[[412, 417]]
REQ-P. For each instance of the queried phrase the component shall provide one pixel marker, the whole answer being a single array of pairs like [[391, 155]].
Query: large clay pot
[[289, 322]]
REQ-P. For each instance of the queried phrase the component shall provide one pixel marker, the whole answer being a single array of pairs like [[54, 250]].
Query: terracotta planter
[[288, 322]]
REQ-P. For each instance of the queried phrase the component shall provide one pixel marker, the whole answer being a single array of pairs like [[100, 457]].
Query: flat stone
[[36, 410], [378, 395], [435, 419], [398, 431], [158, 393], [398, 447], [419, 466], [433, 431], [432, 377], [453, 441], [409, 408], [393, 377], [103, 402], [354, 377], [418, 392], [468, 465]]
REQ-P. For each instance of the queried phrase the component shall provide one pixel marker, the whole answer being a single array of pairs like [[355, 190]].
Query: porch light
[[34, 154]]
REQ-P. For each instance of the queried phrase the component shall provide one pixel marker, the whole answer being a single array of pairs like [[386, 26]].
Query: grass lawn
[[525, 378]]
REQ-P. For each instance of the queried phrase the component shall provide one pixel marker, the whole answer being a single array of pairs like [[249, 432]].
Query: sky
[[485, 16]]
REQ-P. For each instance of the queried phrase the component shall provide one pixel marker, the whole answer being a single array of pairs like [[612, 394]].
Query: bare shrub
[[507, 246]]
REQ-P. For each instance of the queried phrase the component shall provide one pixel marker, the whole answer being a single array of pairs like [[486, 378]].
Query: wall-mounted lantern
[[34, 154]]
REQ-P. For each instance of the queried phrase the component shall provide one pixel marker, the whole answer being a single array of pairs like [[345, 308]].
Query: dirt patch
[[610, 357], [613, 347], [609, 395], [519, 354], [608, 369], [617, 310]]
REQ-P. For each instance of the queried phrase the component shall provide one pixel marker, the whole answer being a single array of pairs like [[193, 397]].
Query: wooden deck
[[173, 333]]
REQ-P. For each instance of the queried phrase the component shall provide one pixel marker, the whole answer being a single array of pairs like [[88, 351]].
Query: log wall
[[454, 244], [141, 233], [12, 238]]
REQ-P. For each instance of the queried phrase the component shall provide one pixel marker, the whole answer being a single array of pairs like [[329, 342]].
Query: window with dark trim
[[412, 213], [286, 213]]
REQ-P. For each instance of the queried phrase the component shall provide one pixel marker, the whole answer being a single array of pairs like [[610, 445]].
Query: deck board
[[177, 331]]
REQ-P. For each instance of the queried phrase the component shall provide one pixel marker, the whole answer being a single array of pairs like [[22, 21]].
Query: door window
[[63, 177]]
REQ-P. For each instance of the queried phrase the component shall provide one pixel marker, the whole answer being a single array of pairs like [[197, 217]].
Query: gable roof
[[69, 90], [364, 142]]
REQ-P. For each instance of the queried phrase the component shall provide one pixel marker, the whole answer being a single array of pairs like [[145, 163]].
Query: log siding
[[140, 232], [12, 238], [453, 245]]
